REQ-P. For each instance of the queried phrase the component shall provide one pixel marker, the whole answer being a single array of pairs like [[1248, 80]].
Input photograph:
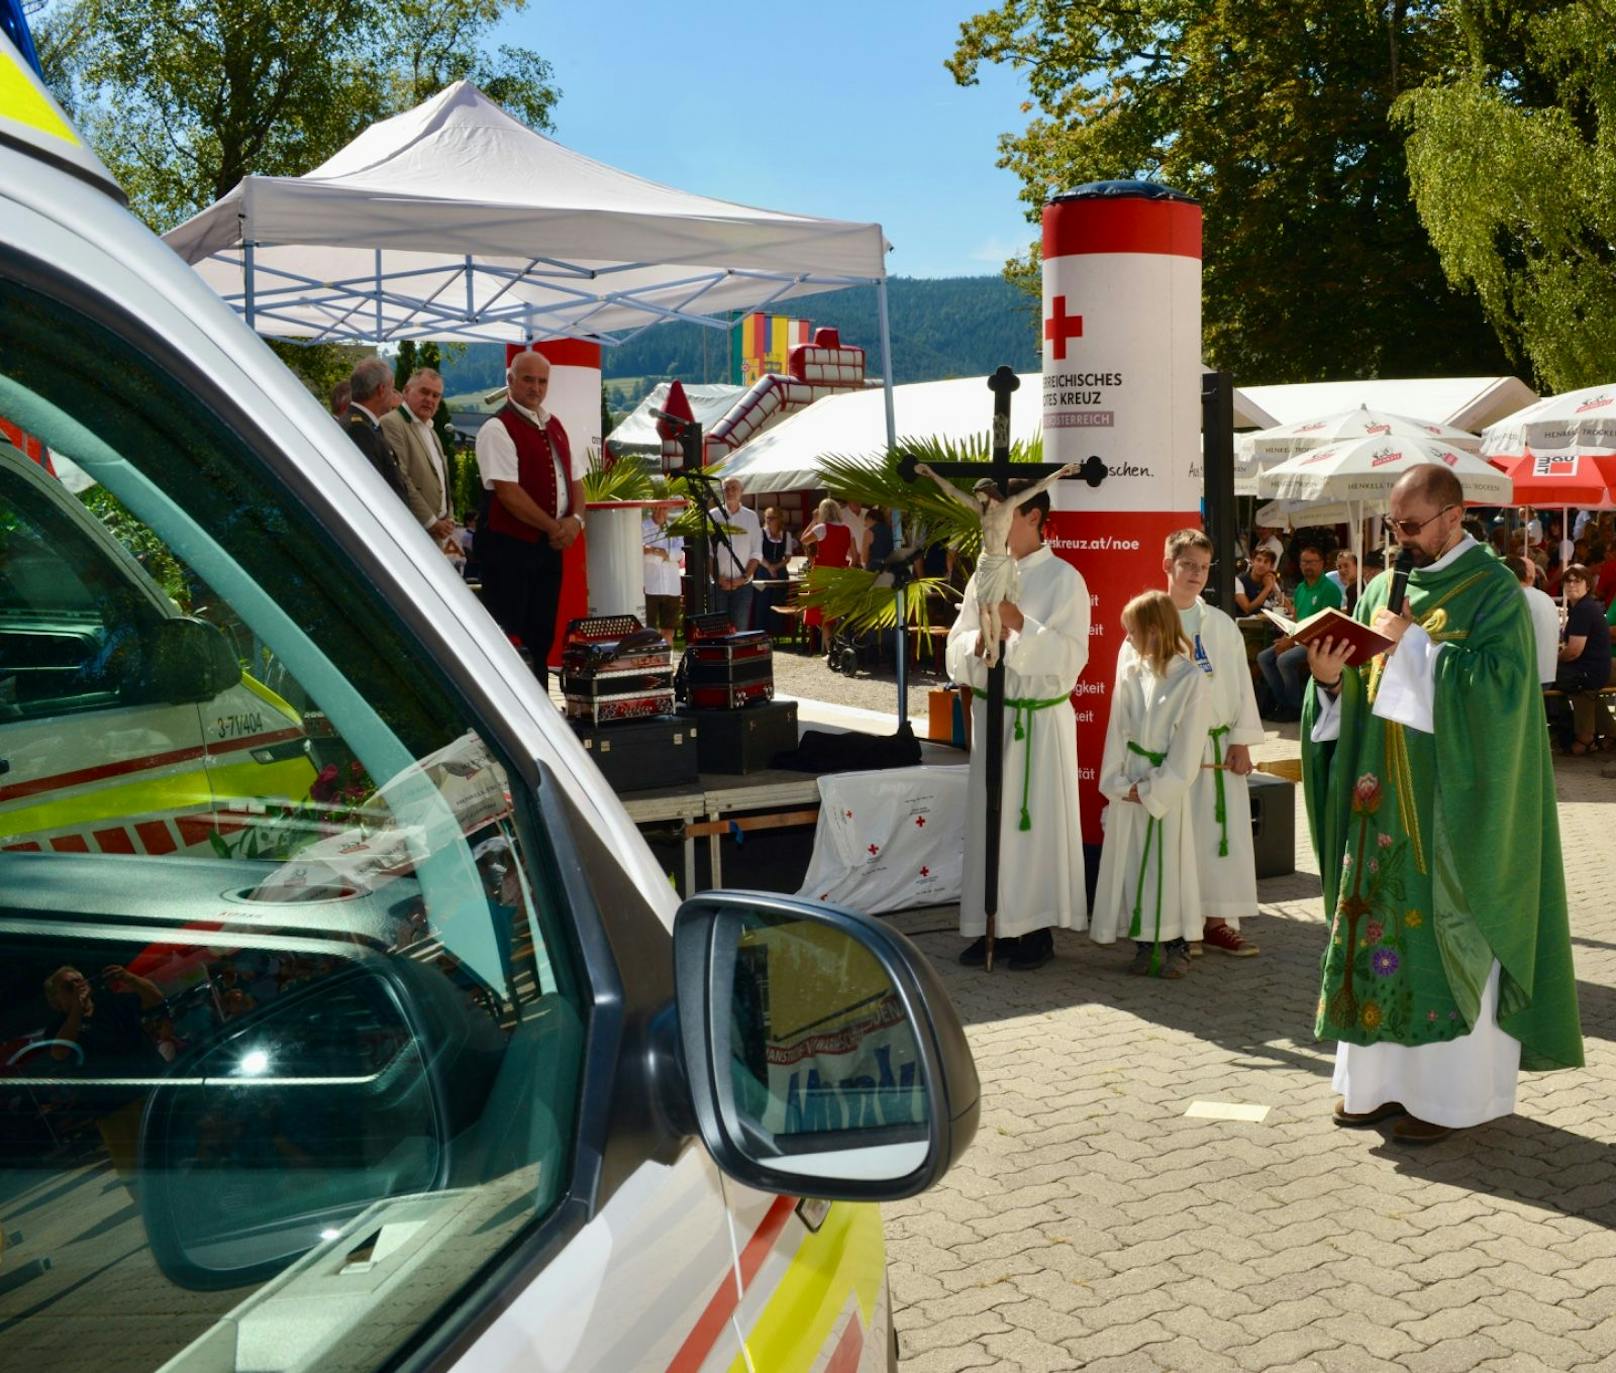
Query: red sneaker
[[1226, 939]]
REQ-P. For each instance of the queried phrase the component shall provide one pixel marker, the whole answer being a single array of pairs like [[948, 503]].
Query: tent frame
[[357, 312]]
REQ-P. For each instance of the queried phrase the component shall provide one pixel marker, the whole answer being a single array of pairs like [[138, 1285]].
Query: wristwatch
[[574, 515]]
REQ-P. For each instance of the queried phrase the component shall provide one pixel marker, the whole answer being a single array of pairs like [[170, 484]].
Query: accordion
[[612, 668], [725, 668]]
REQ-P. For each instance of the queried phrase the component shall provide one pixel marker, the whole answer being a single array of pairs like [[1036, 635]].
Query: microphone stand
[[690, 439]]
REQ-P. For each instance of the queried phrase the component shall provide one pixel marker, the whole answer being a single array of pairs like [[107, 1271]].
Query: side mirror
[[183, 661], [293, 1120], [823, 1055]]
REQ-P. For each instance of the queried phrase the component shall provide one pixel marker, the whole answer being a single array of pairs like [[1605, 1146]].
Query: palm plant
[[929, 516]]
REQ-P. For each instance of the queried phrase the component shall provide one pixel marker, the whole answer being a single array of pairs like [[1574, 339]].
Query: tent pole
[[901, 647], [247, 272], [379, 331]]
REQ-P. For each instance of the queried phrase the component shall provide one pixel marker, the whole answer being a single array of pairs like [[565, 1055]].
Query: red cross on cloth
[[920, 822], [925, 872], [1061, 326], [874, 849]]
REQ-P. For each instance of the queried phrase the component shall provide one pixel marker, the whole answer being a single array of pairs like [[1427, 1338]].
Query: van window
[[291, 1014]]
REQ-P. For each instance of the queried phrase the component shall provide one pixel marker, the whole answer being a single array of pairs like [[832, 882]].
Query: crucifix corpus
[[997, 582]]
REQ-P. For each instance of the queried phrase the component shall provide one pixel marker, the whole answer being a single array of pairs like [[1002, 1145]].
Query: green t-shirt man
[[1313, 596]]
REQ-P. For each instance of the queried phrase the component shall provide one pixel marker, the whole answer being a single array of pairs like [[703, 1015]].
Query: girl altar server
[[1148, 888]]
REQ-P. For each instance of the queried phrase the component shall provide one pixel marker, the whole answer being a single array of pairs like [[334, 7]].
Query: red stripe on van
[[704, 1334], [116, 840], [156, 836], [848, 1348], [70, 843]]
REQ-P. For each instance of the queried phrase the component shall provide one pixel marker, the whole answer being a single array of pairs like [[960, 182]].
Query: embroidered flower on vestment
[[1453, 1015], [1372, 932], [1430, 1015], [1374, 865], [1346, 861], [1369, 1017], [1413, 920], [1366, 795], [1383, 841], [1384, 962]]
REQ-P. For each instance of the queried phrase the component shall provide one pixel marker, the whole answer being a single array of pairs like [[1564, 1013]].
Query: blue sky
[[839, 109]]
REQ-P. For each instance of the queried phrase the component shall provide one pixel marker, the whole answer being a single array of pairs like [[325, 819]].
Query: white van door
[[350, 1089]]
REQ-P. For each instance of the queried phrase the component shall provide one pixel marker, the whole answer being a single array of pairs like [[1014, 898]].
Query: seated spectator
[[1284, 665], [1585, 660], [1602, 567], [1346, 577], [1258, 588], [1545, 619]]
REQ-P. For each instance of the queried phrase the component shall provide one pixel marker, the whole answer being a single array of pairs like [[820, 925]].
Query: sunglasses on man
[[1410, 529]]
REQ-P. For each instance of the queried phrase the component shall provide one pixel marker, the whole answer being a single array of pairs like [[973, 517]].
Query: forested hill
[[946, 327]]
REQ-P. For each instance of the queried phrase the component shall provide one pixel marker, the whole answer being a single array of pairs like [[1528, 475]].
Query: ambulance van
[[346, 1021]]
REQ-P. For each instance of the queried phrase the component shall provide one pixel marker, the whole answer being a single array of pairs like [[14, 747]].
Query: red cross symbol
[[925, 872], [920, 822], [1061, 326], [847, 814], [874, 849]]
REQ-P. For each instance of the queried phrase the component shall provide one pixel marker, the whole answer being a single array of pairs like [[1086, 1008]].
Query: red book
[[1331, 623]]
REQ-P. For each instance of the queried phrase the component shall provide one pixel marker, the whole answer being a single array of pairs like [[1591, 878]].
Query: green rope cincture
[[1153, 828], [1220, 811], [1025, 710]]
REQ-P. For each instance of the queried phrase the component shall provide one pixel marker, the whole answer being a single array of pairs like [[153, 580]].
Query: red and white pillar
[[1122, 381], [574, 399]]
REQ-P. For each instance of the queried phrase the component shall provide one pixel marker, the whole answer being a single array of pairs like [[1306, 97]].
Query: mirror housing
[[823, 1056], [296, 1117], [184, 661]]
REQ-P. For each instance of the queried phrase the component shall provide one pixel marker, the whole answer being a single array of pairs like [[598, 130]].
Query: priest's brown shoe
[[1412, 1130], [1356, 1121]]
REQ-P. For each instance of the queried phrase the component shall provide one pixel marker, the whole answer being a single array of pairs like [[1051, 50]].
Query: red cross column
[[1122, 381]]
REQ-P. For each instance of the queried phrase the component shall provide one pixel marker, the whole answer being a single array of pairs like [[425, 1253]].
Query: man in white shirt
[[1545, 618], [662, 552], [736, 564], [535, 511], [420, 454]]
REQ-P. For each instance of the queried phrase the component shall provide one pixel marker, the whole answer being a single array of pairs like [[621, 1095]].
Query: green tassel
[[1155, 958], [1026, 820], [1020, 733]]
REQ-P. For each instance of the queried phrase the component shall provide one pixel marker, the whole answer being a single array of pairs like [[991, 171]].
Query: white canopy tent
[[454, 221], [1469, 403], [786, 457]]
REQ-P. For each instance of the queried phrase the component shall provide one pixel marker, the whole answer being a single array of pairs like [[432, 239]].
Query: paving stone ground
[[1092, 1225]]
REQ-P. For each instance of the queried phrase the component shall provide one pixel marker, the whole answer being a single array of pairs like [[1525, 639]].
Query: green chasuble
[[1441, 852]]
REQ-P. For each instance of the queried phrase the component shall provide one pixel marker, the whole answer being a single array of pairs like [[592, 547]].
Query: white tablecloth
[[889, 840]]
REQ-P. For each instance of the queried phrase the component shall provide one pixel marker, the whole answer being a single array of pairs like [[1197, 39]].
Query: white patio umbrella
[[1360, 475], [1572, 424], [1262, 449]]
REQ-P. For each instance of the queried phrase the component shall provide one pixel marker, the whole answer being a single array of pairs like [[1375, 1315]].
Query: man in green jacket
[[1431, 800]]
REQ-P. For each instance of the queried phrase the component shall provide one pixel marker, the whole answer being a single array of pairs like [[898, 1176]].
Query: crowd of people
[[1447, 960]]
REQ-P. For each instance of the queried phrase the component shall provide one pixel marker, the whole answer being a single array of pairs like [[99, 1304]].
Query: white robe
[[1166, 715], [1460, 1082], [1040, 869], [1228, 880]]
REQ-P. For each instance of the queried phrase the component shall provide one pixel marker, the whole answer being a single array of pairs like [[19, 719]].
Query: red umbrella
[[1551, 479]]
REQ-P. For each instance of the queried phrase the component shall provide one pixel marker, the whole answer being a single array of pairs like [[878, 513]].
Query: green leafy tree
[[182, 98], [1513, 161], [1275, 115]]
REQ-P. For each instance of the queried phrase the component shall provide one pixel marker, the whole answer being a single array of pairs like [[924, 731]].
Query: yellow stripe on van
[[153, 797], [847, 1257], [22, 100]]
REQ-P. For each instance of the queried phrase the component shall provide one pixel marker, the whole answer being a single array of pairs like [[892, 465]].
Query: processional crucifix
[[996, 515]]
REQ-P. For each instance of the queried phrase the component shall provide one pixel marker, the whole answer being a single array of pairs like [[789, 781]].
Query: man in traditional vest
[[535, 510]]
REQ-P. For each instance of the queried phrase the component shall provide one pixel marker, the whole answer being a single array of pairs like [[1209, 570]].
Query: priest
[[1220, 800], [1045, 633], [1431, 801]]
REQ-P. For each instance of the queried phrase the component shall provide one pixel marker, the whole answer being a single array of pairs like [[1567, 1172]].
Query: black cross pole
[[1002, 383]]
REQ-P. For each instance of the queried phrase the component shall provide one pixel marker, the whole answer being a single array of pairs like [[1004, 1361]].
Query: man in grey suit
[[420, 455]]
